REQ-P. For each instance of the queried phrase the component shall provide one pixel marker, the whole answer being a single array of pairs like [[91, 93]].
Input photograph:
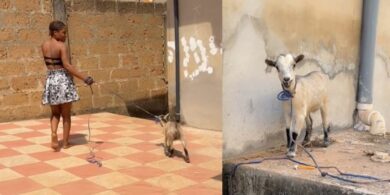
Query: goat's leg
[[168, 146], [295, 129], [287, 119], [187, 156], [288, 138], [309, 129], [325, 125]]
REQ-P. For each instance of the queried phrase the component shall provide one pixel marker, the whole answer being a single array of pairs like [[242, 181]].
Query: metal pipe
[[365, 112], [367, 51], [177, 57]]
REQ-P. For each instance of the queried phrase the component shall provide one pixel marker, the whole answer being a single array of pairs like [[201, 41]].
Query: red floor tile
[[150, 129], [4, 126], [30, 134], [193, 146], [141, 188], [8, 153], [145, 146], [143, 172], [17, 143], [78, 187], [78, 128], [144, 157], [100, 155], [197, 174], [33, 169], [147, 136], [18, 186], [88, 170], [48, 155], [39, 127], [117, 122], [106, 145], [111, 129], [106, 137]]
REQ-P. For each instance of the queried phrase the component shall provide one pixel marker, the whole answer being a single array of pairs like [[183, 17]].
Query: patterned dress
[[59, 88]]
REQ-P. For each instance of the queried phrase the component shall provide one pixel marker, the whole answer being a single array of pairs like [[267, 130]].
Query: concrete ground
[[129, 149], [350, 152]]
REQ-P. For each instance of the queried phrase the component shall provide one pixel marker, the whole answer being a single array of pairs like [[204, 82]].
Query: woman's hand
[[89, 80]]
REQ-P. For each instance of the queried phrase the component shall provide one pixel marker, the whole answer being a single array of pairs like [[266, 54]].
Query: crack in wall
[[386, 61]]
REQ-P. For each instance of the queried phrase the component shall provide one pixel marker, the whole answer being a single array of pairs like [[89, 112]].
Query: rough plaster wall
[[381, 90], [327, 32]]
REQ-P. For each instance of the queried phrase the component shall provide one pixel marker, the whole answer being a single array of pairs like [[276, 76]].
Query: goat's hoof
[[291, 154], [326, 143], [171, 153], [168, 153], [187, 160]]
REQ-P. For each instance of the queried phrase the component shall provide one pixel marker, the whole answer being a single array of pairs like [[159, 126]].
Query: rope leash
[[156, 118], [92, 158], [340, 177]]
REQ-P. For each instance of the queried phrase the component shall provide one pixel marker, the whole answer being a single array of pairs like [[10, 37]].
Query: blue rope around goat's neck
[[284, 95]]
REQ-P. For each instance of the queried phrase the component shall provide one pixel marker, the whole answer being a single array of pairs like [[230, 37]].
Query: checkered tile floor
[[130, 151]]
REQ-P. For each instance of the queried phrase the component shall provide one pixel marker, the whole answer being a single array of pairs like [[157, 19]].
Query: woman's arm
[[67, 65]]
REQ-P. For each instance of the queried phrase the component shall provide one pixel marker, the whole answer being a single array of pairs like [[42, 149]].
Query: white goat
[[309, 94]]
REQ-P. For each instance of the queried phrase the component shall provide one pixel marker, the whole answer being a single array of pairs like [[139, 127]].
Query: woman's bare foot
[[54, 142], [66, 145]]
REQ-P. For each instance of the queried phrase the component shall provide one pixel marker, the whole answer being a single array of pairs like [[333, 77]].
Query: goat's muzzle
[[286, 84]]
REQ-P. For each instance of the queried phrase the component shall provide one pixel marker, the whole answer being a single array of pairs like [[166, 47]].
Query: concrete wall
[[326, 32], [200, 62], [120, 44]]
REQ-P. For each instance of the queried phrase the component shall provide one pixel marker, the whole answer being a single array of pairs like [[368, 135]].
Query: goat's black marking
[[288, 137], [293, 142], [309, 129]]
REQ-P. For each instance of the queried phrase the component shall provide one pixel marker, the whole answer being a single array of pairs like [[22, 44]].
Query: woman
[[59, 90]]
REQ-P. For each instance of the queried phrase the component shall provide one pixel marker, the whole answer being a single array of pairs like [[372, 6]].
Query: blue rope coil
[[284, 95]]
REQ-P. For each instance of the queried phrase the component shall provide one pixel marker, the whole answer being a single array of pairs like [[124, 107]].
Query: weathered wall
[[200, 62], [381, 90], [120, 44], [326, 32], [23, 27]]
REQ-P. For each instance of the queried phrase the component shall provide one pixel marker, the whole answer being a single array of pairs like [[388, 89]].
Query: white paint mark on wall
[[213, 49], [200, 55], [194, 49], [186, 49]]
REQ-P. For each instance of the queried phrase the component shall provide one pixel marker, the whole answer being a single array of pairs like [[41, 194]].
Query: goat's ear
[[270, 62], [299, 58]]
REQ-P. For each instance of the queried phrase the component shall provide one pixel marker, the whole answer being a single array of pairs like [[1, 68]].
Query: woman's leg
[[65, 112], [54, 120]]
